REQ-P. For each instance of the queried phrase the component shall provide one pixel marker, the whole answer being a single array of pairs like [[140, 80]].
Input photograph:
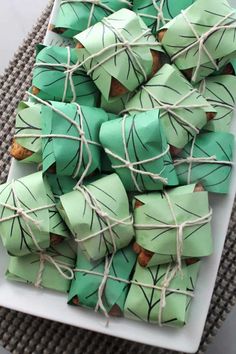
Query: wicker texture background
[[24, 334]]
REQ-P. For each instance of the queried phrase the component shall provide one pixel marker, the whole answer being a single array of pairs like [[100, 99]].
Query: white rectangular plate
[[53, 306]]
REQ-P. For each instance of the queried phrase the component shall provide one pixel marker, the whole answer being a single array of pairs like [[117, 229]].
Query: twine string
[[164, 287], [179, 228], [190, 160], [63, 268], [83, 140], [159, 15], [24, 214], [94, 205], [95, 3], [171, 108], [200, 41]]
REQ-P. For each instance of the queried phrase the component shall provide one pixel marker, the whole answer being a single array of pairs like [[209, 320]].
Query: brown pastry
[[117, 89], [35, 90], [229, 70], [161, 34], [174, 151], [115, 311], [190, 261], [19, 152], [52, 169], [55, 239], [75, 300], [58, 30], [144, 255]]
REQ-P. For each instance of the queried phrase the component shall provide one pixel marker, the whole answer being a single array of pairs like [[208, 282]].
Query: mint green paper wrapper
[[157, 13], [26, 269], [31, 192], [187, 206], [136, 139], [181, 40], [28, 121], [85, 286], [76, 16], [215, 170], [107, 195], [71, 157], [169, 87], [131, 67], [49, 76], [220, 92], [143, 303]]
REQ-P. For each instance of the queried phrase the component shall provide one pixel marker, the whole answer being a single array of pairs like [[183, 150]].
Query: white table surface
[[18, 17]]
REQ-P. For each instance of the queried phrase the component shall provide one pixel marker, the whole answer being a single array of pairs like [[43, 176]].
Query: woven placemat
[[25, 334]]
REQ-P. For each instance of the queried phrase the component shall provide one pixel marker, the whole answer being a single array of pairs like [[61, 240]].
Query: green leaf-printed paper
[[143, 303], [137, 138], [130, 66], [156, 13], [215, 146], [220, 92], [26, 269], [85, 286], [83, 221], [169, 87], [187, 206], [76, 16], [71, 156], [28, 121], [49, 76], [28, 193], [182, 40], [60, 184], [116, 105]]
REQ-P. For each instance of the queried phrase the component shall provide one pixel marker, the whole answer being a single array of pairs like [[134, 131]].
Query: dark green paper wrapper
[[85, 286], [212, 161], [49, 76]]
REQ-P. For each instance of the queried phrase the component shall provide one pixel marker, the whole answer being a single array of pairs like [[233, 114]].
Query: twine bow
[[63, 268]]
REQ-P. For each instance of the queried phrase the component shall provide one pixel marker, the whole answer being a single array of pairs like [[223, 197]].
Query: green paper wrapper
[[183, 109], [118, 47], [28, 215], [50, 77], [60, 185], [72, 154], [90, 211], [28, 121], [209, 162], [116, 105], [76, 16], [220, 92], [200, 36], [85, 286], [154, 221], [157, 13], [143, 303], [138, 151], [27, 269]]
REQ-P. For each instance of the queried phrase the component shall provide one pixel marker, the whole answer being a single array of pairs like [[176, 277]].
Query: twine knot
[[126, 44], [103, 214], [21, 212]]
